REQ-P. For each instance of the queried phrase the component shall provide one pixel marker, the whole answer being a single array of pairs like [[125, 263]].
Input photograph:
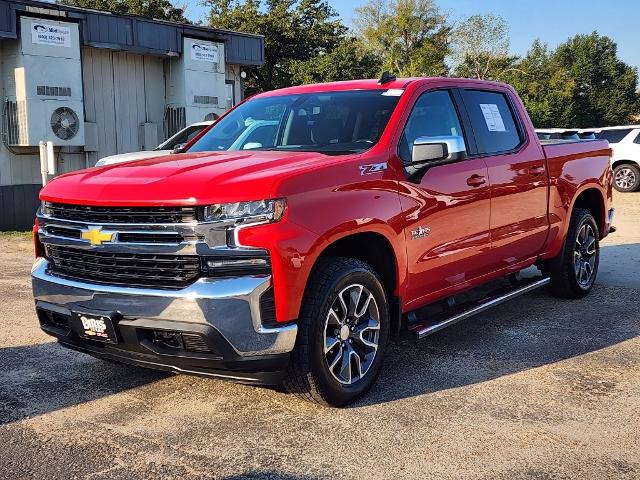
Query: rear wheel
[[343, 333], [574, 273], [626, 177]]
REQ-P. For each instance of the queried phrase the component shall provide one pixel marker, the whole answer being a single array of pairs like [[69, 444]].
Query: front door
[[518, 176], [446, 212]]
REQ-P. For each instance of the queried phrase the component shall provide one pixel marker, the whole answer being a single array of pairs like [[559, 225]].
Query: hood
[[129, 157], [182, 179]]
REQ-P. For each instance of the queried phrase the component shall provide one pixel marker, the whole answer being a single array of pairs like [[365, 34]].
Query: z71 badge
[[372, 168]]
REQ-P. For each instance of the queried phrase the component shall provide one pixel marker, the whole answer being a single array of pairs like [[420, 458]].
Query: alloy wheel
[[625, 178], [351, 334], [584, 255]]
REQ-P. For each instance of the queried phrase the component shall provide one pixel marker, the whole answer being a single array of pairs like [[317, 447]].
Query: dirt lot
[[537, 388]]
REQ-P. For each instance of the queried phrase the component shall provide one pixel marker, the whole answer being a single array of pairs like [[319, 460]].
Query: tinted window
[[614, 136], [331, 122], [637, 140], [433, 115], [260, 136], [492, 120]]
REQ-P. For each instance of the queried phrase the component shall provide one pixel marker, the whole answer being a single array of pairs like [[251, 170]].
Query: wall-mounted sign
[[48, 34], [204, 52]]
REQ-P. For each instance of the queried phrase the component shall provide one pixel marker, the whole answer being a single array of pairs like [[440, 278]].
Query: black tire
[[567, 279], [309, 375], [626, 177]]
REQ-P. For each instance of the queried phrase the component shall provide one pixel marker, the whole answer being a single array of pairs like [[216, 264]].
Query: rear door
[[517, 174], [446, 210]]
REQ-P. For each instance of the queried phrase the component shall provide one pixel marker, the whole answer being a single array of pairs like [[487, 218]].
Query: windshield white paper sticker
[[47, 34], [492, 117], [204, 52]]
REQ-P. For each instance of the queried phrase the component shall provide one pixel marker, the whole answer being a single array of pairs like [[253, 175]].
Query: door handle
[[537, 170], [476, 180]]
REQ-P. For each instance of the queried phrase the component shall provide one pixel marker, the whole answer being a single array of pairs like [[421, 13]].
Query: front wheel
[[626, 177], [574, 273], [342, 333]]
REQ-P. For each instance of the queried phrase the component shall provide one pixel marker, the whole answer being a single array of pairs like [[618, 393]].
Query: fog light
[[171, 340]]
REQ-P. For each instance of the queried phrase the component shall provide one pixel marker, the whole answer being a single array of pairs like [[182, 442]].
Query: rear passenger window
[[493, 122], [637, 140]]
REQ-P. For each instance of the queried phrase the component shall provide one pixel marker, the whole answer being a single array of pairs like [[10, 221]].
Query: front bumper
[[224, 313]]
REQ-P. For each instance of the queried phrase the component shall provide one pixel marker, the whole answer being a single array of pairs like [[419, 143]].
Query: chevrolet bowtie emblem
[[97, 236]]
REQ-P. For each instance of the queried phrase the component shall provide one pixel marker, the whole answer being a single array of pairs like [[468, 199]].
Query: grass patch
[[25, 234]]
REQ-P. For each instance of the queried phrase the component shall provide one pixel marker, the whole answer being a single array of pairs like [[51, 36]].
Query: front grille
[[64, 232], [101, 215], [141, 270], [194, 342], [138, 237]]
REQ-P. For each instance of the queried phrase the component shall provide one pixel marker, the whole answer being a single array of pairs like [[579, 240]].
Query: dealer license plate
[[95, 326]]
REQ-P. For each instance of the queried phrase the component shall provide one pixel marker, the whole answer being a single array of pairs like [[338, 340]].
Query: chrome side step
[[423, 330]]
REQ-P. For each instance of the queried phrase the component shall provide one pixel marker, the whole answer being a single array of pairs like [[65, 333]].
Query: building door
[[230, 89]]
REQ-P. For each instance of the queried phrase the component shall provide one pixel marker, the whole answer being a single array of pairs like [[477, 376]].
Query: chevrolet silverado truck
[[353, 212]]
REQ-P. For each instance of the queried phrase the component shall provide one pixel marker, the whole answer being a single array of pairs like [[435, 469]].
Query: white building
[[97, 84]]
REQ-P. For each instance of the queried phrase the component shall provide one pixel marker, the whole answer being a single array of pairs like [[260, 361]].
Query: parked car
[[557, 134], [362, 209], [625, 143], [165, 148]]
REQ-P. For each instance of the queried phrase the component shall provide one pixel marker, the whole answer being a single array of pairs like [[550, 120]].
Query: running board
[[437, 323]]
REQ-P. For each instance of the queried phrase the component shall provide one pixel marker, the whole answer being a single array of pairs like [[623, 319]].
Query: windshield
[[332, 123]]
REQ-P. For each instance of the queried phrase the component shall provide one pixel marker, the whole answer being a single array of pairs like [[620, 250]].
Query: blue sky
[[553, 21]]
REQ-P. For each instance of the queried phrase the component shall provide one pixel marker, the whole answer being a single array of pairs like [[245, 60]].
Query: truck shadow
[[42, 378], [517, 336]]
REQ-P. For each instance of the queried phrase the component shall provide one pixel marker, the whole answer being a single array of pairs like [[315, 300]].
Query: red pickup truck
[[291, 239]]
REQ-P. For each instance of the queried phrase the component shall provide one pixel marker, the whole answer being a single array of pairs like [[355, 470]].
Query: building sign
[[48, 34], [204, 52]]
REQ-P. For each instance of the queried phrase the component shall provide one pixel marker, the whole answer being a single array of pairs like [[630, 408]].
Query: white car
[[625, 161], [165, 148]]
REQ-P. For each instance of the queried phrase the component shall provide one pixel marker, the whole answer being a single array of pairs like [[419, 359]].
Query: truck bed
[[563, 148]]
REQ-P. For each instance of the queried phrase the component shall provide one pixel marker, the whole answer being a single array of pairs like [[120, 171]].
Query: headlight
[[44, 208], [258, 211]]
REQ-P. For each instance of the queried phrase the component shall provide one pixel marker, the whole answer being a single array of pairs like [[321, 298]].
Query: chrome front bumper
[[230, 306]]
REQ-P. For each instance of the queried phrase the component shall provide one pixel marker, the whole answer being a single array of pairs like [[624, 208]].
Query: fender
[[560, 217]]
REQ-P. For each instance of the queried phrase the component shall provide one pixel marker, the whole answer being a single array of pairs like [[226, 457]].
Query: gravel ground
[[536, 388]]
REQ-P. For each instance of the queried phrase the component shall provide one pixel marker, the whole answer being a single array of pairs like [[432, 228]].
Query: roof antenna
[[386, 78]]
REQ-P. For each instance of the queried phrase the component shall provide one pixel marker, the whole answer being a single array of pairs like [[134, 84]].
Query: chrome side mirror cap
[[438, 150]]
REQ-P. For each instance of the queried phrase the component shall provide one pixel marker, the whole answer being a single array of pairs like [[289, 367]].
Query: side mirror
[[251, 145], [178, 148], [438, 150]]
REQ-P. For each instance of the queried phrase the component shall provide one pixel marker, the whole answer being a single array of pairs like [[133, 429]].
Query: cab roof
[[370, 84]]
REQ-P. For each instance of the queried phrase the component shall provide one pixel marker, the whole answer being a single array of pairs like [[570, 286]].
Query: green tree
[[346, 61], [160, 9], [603, 87], [545, 89], [297, 33], [481, 48], [410, 37]]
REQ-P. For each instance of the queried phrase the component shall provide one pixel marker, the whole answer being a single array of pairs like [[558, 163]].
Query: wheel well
[[375, 250], [591, 200], [617, 163]]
